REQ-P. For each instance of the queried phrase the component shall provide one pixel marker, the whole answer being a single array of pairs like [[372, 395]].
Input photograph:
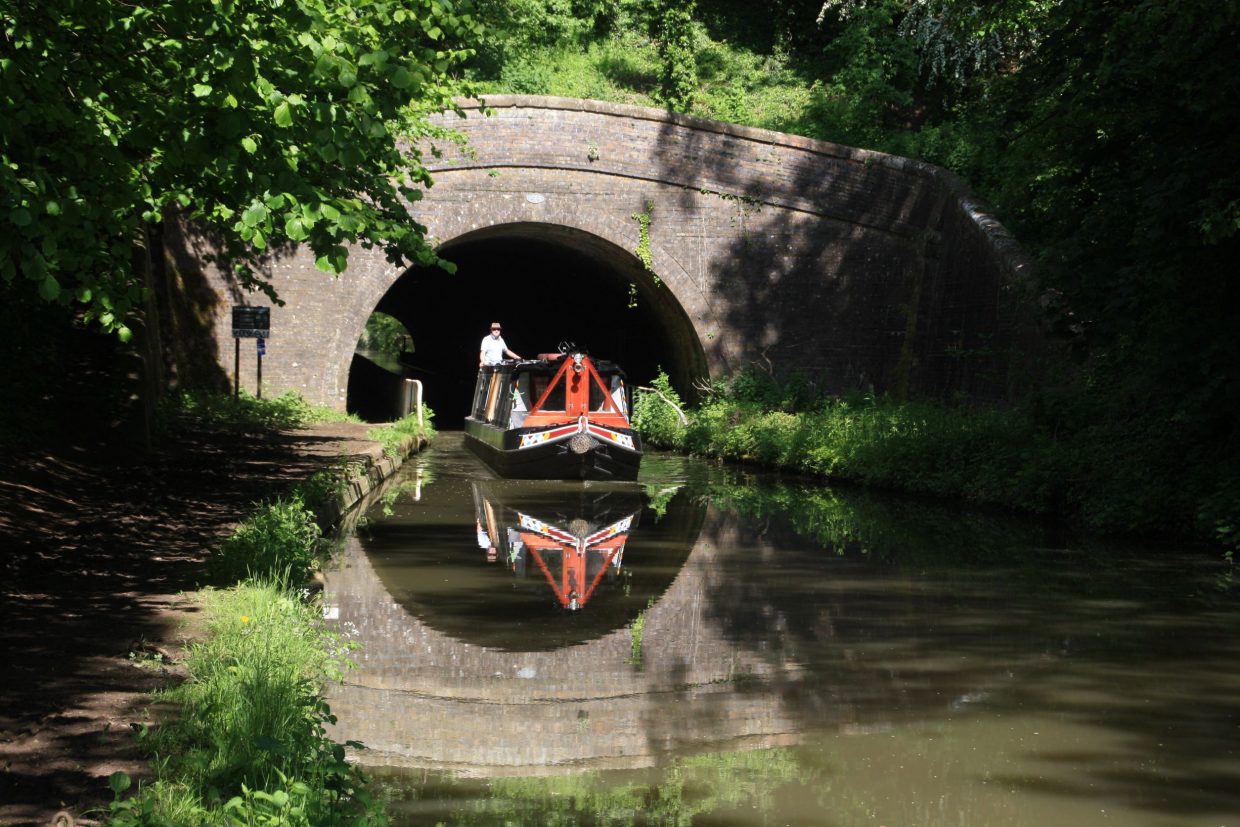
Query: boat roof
[[550, 362]]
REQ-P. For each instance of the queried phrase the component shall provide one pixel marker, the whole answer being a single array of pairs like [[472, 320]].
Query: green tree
[[386, 334], [674, 37], [1115, 160], [271, 121]]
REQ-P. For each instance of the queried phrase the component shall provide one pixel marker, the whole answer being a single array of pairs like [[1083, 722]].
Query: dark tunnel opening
[[546, 284]]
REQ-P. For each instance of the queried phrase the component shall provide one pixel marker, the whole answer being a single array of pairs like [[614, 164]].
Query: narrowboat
[[562, 416]]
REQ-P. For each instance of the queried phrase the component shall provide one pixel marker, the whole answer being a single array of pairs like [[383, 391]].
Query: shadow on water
[[773, 652]]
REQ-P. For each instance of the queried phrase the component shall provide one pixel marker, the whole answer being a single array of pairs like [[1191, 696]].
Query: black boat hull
[[550, 461]]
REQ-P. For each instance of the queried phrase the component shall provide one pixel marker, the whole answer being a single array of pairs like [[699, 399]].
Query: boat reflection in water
[[574, 554]]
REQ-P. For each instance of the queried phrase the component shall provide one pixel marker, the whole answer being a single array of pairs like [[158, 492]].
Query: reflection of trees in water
[[895, 610], [899, 530], [683, 790]]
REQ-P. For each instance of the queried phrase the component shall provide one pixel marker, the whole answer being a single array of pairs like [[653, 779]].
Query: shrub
[[657, 413], [281, 541], [393, 434]]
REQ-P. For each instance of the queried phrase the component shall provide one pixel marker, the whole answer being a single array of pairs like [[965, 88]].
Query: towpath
[[96, 551]]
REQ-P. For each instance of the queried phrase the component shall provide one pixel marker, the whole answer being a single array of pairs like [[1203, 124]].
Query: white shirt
[[492, 349]]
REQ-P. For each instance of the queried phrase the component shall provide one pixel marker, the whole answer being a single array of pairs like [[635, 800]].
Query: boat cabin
[[559, 403]]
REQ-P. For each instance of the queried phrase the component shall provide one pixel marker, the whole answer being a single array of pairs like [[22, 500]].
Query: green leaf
[[295, 229], [201, 90], [119, 782], [402, 78], [20, 216], [253, 216], [329, 212], [249, 145], [348, 78], [52, 207], [333, 261], [284, 115], [49, 288], [35, 267]]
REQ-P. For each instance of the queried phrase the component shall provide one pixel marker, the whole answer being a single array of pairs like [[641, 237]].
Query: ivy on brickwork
[[643, 237], [643, 251]]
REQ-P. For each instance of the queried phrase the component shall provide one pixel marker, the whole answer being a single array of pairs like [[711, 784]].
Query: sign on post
[[250, 323]]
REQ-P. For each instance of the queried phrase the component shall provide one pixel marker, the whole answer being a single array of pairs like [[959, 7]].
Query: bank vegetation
[[243, 739]]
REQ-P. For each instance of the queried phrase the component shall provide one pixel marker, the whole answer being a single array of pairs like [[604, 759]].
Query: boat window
[[598, 399], [520, 391], [555, 402], [473, 409], [503, 398], [616, 391]]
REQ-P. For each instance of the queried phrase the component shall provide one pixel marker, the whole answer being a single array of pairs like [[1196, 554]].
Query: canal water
[[712, 646]]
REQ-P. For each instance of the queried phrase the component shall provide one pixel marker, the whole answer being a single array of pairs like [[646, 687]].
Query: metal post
[[413, 398]]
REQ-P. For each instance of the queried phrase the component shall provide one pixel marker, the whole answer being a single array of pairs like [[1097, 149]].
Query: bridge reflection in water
[[541, 651]]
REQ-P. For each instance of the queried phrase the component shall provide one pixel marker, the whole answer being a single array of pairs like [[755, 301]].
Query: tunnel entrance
[[546, 284]]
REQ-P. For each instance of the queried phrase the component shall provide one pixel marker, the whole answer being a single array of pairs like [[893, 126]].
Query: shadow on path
[[97, 548]]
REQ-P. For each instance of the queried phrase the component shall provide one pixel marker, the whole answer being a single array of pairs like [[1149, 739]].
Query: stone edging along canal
[[365, 472]]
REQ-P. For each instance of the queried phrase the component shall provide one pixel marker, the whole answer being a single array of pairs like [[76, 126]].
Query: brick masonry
[[862, 269]]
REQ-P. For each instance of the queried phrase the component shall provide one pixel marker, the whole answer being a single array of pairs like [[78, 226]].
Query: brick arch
[[855, 267], [686, 306], [623, 238]]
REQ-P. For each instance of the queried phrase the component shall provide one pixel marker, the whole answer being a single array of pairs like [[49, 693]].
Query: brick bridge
[[658, 239]]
